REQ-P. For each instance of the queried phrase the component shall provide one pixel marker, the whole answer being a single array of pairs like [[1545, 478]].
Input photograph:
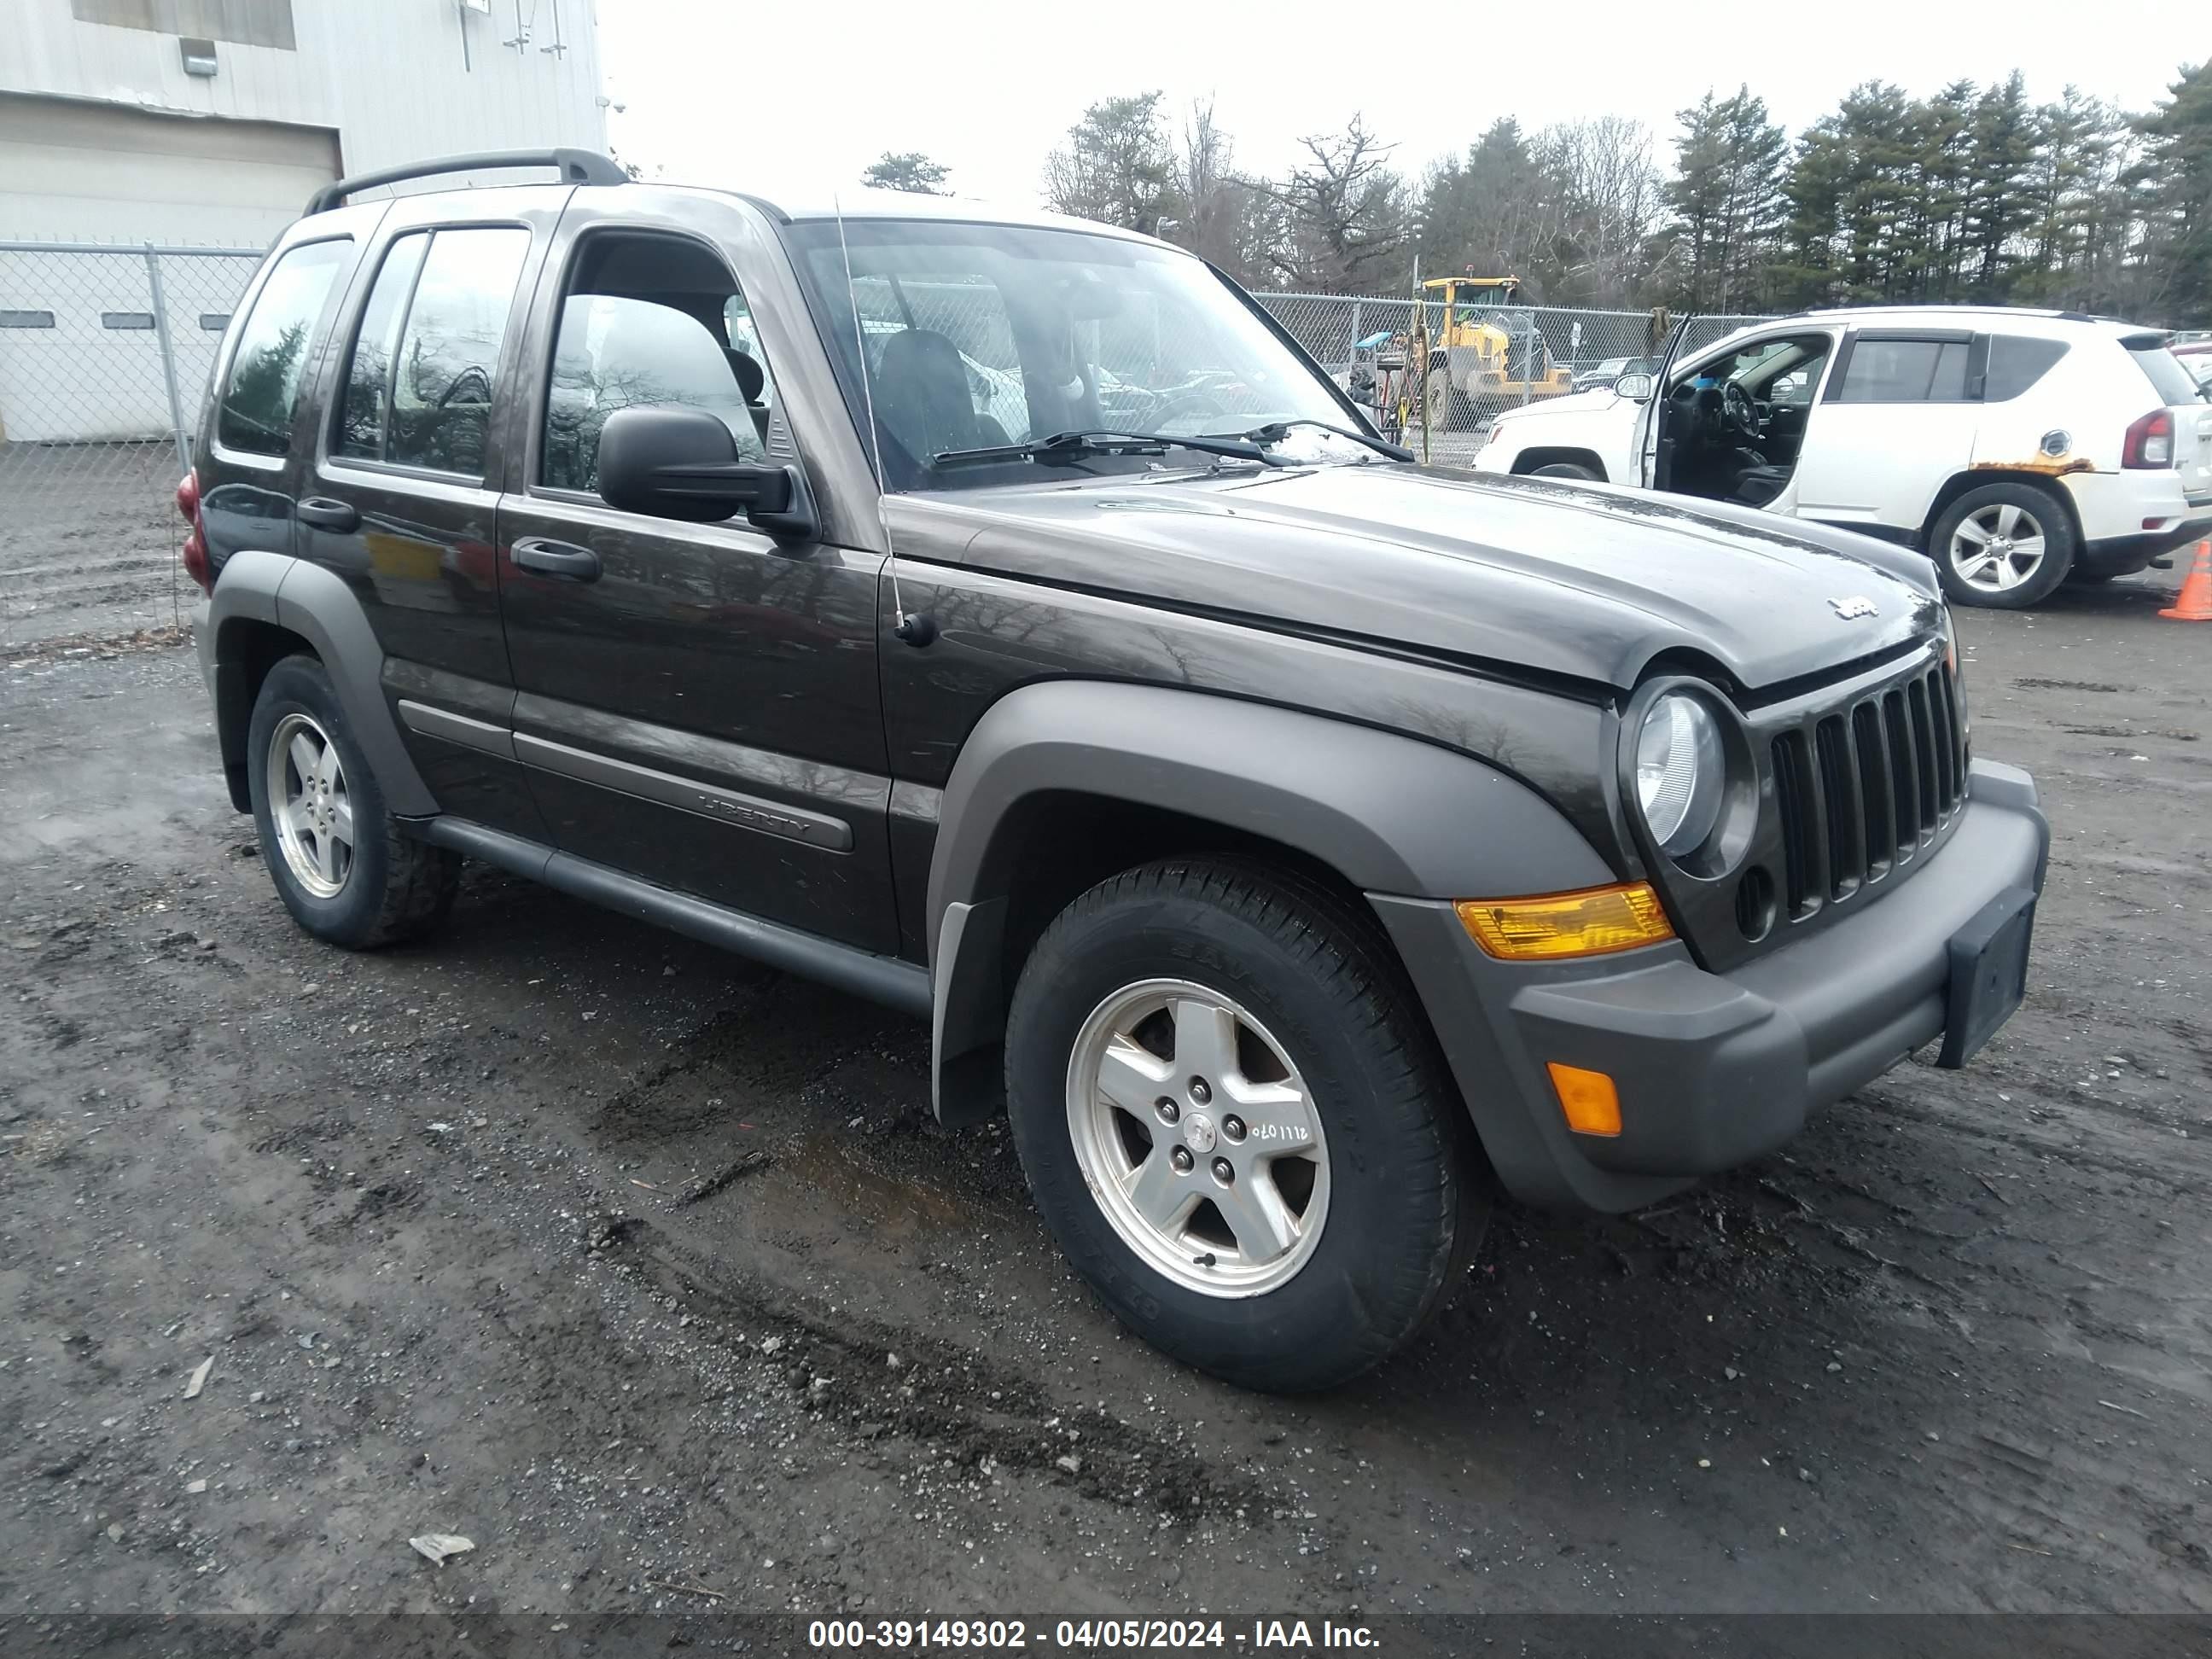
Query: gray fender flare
[[1388, 813], [308, 600]]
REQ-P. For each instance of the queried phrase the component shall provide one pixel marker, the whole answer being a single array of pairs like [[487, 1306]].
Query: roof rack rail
[[577, 166]]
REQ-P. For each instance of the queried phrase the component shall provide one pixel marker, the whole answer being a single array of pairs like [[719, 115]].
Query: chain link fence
[[105, 353], [1490, 358]]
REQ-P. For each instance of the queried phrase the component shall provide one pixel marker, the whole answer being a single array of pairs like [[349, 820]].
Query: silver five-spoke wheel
[[1196, 1134], [1998, 547], [307, 806]]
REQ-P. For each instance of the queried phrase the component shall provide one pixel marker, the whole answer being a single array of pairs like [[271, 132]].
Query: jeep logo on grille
[[1852, 606]]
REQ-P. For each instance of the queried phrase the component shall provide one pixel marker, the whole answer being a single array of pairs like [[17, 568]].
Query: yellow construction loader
[[1486, 352]]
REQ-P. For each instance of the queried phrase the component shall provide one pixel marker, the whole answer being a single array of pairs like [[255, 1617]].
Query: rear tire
[[335, 854], [1323, 1245], [2004, 546], [1565, 470]]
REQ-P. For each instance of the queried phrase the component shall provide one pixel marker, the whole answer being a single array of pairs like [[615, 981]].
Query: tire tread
[[420, 880], [1324, 935]]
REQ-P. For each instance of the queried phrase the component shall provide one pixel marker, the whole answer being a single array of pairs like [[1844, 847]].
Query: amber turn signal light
[[1590, 1100], [1590, 923]]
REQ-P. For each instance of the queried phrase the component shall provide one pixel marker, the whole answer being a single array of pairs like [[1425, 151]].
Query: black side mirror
[[676, 462]]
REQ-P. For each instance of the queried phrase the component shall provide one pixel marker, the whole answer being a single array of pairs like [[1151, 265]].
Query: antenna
[[913, 629]]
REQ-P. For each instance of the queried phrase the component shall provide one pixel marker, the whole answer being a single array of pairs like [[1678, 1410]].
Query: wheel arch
[[267, 606], [1528, 460], [1971, 479], [1064, 783]]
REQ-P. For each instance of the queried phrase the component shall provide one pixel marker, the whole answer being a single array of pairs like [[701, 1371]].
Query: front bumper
[[1713, 1069]]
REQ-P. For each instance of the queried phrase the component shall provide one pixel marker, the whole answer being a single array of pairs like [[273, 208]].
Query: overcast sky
[[799, 98]]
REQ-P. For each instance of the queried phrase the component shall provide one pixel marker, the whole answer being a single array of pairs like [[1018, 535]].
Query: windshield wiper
[[1275, 431], [1071, 446]]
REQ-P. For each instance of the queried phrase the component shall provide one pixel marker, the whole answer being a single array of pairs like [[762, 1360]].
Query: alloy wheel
[[1997, 547], [1198, 1137], [308, 808]]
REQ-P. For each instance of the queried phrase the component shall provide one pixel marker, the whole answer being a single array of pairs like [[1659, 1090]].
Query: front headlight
[[1682, 773]]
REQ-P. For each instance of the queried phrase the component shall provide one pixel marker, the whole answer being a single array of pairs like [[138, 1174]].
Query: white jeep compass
[[2016, 448]]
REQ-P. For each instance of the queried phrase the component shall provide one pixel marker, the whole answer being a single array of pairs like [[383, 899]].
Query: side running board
[[886, 980]]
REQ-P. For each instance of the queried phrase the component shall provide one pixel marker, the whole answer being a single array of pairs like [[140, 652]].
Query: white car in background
[[2016, 448]]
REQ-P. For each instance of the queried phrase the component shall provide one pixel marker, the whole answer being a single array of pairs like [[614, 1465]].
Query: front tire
[[1448, 406], [1565, 470], [2005, 546], [336, 856], [1235, 1123]]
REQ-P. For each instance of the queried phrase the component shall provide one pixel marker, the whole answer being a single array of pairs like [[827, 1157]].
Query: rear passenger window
[[255, 415], [651, 319], [2017, 362], [420, 385], [1905, 372], [365, 415]]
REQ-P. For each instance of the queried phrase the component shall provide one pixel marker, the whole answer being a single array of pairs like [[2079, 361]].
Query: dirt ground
[[88, 543], [645, 1269]]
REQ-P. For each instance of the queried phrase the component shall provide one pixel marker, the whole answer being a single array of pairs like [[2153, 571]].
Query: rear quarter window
[[2164, 371], [262, 389], [2017, 361]]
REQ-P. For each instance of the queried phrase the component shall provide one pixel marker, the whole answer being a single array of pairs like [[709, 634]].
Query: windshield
[[981, 334]]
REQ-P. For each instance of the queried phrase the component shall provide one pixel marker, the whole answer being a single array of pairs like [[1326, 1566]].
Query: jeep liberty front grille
[[1863, 789]]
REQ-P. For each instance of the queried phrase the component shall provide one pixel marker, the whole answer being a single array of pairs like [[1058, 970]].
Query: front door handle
[[326, 514], [557, 559]]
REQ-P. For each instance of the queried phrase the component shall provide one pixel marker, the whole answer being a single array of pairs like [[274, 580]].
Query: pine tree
[[1116, 166], [2069, 178], [2178, 136], [2000, 201], [1942, 167], [1727, 196], [909, 171]]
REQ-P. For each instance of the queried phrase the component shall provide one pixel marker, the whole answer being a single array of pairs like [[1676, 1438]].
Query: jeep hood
[[1536, 574], [1574, 403]]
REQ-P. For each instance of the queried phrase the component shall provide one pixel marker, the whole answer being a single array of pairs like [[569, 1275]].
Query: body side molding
[[463, 729], [706, 800]]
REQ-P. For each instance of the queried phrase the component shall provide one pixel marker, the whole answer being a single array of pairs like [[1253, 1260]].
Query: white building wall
[[395, 80], [104, 137]]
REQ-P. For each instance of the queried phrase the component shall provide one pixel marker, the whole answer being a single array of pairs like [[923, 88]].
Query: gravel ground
[[89, 544], [646, 1270]]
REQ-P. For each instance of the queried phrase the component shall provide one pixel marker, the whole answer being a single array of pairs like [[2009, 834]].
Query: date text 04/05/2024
[[1088, 1635]]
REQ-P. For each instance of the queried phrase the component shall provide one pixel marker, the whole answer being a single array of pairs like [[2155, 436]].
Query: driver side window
[[648, 319], [1743, 362], [1778, 371]]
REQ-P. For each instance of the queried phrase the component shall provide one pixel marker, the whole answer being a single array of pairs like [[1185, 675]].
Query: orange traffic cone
[[2195, 603]]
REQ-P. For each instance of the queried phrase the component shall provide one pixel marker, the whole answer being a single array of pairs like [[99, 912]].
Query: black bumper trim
[[2121, 555], [1713, 1069]]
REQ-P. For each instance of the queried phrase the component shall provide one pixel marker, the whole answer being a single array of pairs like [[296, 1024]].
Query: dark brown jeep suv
[[1001, 617]]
